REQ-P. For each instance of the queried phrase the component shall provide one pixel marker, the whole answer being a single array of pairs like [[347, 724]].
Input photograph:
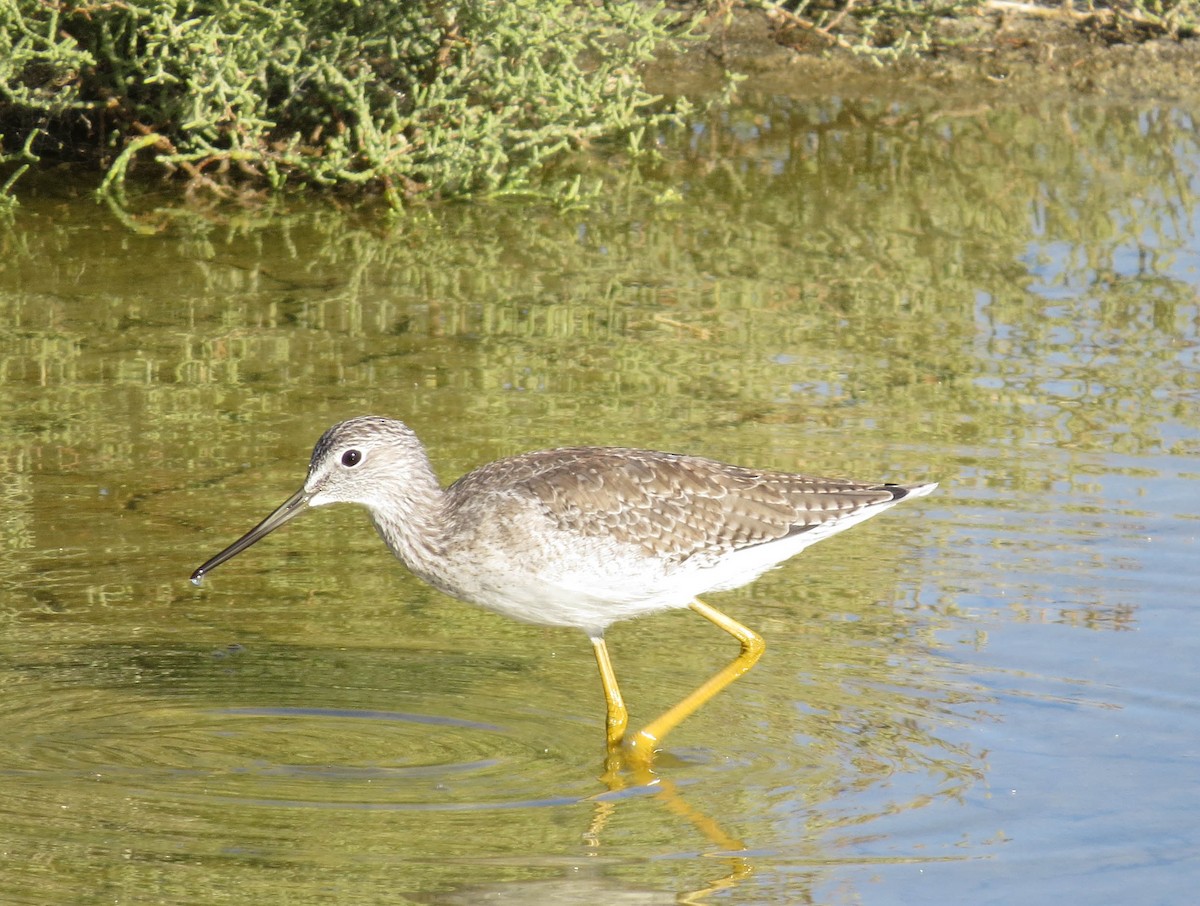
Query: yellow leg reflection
[[730, 850], [639, 749]]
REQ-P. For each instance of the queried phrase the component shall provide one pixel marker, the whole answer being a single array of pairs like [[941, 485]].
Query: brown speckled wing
[[676, 506]]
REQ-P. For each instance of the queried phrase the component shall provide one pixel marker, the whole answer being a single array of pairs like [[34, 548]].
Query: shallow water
[[987, 695]]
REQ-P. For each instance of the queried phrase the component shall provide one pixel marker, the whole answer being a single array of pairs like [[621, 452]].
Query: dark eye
[[351, 458]]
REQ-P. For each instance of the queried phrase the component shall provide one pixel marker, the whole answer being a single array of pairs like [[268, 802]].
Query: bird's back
[[672, 506]]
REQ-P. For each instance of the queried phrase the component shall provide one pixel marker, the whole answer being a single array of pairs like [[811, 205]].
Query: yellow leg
[[618, 716], [641, 745]]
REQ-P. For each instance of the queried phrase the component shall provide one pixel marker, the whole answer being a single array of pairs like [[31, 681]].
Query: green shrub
[[408, 97]]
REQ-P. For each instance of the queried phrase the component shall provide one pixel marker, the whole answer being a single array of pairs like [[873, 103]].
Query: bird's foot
[[638, 749]]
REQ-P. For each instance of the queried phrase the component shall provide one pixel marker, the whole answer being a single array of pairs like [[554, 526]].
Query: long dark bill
[[292, 507]]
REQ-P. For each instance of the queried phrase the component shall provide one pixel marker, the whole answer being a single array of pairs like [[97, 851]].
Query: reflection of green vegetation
[[406, 97], [973, 276]]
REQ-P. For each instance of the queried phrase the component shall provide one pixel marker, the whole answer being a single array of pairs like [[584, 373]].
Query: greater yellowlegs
[[582, 536]]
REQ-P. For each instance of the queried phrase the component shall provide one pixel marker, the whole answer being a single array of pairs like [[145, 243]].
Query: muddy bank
[[1000, 54]]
